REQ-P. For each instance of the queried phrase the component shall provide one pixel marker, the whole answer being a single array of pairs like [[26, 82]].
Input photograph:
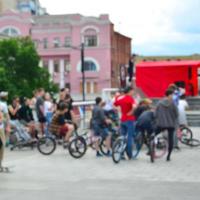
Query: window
[[67, 42], [45, 63], [45, 43], [12, 32], [56, 66], [56, 42], [67, 66], [35, 43], [90, 66], [90, 87], [90, 37], [90, 40], [95, 87]]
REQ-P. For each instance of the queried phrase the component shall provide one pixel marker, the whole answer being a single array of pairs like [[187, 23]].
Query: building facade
[[58, 39]]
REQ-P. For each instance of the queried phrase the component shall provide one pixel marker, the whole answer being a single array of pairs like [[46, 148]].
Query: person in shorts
[[59, 126], [99, 124]]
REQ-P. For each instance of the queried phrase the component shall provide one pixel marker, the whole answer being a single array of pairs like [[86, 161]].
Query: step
[[193, 118]]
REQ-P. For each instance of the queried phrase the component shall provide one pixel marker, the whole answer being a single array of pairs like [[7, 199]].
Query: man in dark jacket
[[131, 67], [166, 118]]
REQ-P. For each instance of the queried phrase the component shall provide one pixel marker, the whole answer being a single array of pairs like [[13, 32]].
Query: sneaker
[[123, 157], [65, 145], [98, 154], [109, 154], [168, 159], [177, 148], [148, 153]]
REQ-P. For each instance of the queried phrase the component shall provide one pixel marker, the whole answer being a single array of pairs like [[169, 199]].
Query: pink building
[[56, 36]]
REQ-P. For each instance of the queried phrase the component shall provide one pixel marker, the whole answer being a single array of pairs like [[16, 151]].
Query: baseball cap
[[3, 94]]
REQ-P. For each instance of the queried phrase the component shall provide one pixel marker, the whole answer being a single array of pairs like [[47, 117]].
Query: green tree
[[20, 73]]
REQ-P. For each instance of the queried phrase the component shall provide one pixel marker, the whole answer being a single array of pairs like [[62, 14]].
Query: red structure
[[154, 77]]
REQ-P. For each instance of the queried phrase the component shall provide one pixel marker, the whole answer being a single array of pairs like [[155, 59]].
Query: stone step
[[194, 123], [193, 118], [194, 103]]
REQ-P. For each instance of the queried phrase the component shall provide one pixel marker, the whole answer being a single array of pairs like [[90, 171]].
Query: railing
[[83, 111]]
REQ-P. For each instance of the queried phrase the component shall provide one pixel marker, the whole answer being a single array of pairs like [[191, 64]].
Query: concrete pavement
[[60, 176]]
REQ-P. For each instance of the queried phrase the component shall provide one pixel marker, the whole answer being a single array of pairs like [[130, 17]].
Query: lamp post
[[83, 71]]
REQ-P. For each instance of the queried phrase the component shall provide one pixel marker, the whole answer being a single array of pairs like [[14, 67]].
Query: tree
[[20, 73]]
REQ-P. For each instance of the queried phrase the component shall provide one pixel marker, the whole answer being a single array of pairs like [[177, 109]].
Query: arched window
[[10, 31], [90, 65], [90, 37]]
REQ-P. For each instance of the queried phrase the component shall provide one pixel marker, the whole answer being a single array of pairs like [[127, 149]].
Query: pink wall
[[101, 53], [21, 22]]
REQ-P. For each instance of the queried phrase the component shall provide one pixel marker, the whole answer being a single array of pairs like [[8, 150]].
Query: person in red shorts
[[127, 104], [59, 126]]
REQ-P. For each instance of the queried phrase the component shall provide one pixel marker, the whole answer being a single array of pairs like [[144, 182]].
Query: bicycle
[[185, 136], [47, 145], [158, 146], [119, 147], [89, 141]]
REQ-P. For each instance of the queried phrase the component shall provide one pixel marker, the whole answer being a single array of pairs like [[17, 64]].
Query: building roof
[[181, 63], [70, 18]]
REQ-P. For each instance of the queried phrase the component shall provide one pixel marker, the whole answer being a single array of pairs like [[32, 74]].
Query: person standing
[[166, 118], [2, 140], [176, 97], [40, 109], [131, 67], [127, 104], [6, 117], [48, 108], [182, 106]]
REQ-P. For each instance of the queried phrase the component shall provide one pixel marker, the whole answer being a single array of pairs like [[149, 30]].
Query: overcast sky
[[157, 27]]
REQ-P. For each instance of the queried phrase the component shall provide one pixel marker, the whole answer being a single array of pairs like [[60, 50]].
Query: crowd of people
[[167, 115], [26, 118], [42, 114]]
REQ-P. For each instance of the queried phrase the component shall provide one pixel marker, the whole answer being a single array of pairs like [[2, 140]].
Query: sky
[[157, 27]]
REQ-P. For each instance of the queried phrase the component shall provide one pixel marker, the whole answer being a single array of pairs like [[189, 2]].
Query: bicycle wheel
[[186, 135], [160, 146], [137, 145], [118, 149], [152, 150], [103, 147], [77, 147], [46, 145], [194, 143]]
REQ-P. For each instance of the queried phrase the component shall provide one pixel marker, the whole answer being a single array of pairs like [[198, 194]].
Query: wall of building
[[110, 49], [121, 52]]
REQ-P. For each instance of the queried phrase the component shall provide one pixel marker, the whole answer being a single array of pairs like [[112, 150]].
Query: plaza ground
[[60, 176]]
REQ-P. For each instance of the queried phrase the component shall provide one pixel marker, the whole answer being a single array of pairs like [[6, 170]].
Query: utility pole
[[83, 71]]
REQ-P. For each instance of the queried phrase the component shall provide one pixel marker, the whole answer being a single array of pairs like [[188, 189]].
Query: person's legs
[[175, 137], [131, 136], [130, 77], [170, 142], [108, 138], [123, 128], [95, 137], [23, 131], [70, 128], [2, 145]]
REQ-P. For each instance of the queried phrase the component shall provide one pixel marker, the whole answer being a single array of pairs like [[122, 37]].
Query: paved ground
[[61, 177]]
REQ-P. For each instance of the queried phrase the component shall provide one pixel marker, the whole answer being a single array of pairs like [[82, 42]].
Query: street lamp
[[83, 71], [82, 48]]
